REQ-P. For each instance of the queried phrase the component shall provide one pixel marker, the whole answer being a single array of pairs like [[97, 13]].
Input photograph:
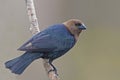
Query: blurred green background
[[96, 54]]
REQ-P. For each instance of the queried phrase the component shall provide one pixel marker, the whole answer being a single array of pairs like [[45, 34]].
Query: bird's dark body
[[50, 44]]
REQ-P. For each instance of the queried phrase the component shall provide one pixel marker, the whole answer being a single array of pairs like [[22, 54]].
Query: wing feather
[[55, 38]]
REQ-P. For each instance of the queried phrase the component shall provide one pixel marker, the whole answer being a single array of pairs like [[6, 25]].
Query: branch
[[34, 29], [52, 75]]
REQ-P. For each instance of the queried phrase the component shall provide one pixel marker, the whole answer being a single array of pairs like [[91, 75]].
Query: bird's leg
[[54, 69]]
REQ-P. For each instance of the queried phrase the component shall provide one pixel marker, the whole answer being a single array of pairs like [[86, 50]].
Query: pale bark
[[34, 29]]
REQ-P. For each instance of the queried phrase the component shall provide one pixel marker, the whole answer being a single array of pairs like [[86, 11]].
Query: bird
[[50, 44]]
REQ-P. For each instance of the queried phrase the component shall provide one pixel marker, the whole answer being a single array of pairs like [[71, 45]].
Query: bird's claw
[[52, 70]]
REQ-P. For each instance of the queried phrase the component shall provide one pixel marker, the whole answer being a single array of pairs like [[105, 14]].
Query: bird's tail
[[19, 64]]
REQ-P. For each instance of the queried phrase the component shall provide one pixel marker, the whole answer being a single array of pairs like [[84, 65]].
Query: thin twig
[[52, 75], [34, 29]]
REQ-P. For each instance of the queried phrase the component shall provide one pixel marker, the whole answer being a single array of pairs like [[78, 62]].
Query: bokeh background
[[96, 55]]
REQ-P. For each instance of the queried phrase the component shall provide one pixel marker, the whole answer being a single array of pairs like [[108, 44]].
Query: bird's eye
[[78, 24]]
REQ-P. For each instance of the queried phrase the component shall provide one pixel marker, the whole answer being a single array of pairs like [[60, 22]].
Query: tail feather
[[10, 63], [19, 64]]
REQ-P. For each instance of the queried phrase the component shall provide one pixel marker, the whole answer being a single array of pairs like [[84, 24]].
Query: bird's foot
[[52, 70]]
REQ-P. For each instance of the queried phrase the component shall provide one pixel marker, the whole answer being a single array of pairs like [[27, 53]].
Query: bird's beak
[[82, 27]]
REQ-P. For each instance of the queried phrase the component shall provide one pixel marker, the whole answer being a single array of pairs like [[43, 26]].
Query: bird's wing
[[55, 38], [43, 43]]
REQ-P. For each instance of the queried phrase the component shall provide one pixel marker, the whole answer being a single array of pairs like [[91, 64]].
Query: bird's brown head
[[75, 26]]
